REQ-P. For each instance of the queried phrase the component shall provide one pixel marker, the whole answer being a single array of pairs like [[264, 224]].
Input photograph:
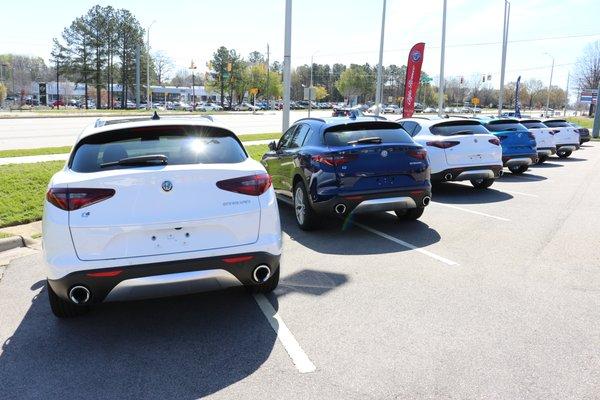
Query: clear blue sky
[[339, 31]]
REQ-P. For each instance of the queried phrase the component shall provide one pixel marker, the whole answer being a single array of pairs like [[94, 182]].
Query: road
[[24, 133], [493, 294]]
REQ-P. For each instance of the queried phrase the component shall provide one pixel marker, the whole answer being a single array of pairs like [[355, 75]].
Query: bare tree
[[164, 65], [587, 69]]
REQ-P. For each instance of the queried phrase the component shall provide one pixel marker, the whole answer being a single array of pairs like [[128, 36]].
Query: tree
[[356, 81], [535, 88], [320, 92], [219, 70], [588, 69], [182, 78], [164, 65], [256, 57], [3, 92]]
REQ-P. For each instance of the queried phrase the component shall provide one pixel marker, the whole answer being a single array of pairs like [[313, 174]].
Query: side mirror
[[272, 146]]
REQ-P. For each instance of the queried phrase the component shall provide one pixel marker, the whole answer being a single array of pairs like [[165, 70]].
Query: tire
[[542, 159], [411, 214], [62, 308], [563, 154], [268, 286], [518, 170], [306, 217], [482, 183]]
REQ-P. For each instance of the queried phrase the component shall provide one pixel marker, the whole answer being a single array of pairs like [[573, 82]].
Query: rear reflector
[[419, 154], [443, 144], [70, 199], [239, 259], [334, 160], [104, 274], [253, 185], [495, 141]]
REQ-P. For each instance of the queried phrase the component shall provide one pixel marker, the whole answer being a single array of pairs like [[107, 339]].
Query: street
[[25, 133], [491, 294]]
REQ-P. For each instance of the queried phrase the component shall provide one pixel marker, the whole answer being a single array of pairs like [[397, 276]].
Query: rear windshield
[[505, 126], [387, 132], [458, 128], [533, 125], [556, 124], [180, 144]]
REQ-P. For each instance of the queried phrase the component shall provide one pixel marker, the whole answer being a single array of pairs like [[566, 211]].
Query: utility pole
[[596, 128], [268, 72], [310, 87], [379, 66], [567, 95], [287, 59], [549, 84], [504, 49], [57, 88], [193, 67], [443, 52], [148, 66], [137, 77]]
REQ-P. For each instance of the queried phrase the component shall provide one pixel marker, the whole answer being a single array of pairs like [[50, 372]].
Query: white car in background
[[392, 109], [246, 107], [544, 137], [565, 135], [209, 107], [155, 207], [459, 149]]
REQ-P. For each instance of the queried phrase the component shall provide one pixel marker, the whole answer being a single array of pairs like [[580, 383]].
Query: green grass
[[260, 136], [4, 235], [22, 190], [35, 152], [257, 151], [36, 235], [583, 121]]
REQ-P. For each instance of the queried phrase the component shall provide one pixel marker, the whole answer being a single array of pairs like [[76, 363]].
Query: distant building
[[182, 93]]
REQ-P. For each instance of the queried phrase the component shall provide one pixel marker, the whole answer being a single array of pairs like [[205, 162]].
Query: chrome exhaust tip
[[261, 273], [340, 209], [448, 176], [426, 200], [79, 294]]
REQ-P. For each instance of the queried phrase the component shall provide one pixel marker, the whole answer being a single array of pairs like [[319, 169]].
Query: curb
[[10, 243]]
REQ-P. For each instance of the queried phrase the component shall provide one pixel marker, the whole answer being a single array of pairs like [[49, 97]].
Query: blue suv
[[519, 150], [342, 166]]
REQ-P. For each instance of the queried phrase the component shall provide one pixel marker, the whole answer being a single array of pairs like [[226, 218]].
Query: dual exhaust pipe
[[340, 208], [261, 274], [79, 295]]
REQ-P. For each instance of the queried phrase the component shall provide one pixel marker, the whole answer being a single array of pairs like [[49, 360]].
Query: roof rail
[[311, 119], [99, 123]]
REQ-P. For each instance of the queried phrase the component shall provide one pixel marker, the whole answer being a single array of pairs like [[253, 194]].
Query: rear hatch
[[544, 136], [563, 132], [514, 137], [162, 208], [374, 155], [466, 142]]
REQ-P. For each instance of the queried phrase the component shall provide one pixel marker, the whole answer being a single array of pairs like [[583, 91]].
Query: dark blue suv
[[342, 166], [519, 150]]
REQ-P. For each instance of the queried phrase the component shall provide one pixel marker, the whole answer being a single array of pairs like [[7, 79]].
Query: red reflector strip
[[234, 260], [105, 274], [353, 197], [416, 192]]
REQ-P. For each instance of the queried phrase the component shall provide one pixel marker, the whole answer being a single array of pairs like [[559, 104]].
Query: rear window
[[387, 132], [505, 126], [180, 144], [458, 128], [557, 124], [533, 125]]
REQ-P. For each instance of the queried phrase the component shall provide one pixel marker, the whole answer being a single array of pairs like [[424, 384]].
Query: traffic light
[[462, 80]]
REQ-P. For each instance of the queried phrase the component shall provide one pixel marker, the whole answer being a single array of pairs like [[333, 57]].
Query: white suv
[[544, 138], [565, 136], [458, 149], [155, 207]]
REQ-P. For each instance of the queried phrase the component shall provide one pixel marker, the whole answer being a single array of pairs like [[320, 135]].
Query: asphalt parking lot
[[491, 294]]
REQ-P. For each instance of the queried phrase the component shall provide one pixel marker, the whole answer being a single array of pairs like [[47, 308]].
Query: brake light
[[105, 274], [443, 144], [419, 154], [70, 199], [495, 141], [253, 185], [554, 131], [238, 259], [334, 160]]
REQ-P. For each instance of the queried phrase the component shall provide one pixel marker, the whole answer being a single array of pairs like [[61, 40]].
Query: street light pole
[[287, 59], [504, 49], [148, 66], [443, 52], [310, 87], [567, 95], [379, 66], [549, 84], [193, 67]]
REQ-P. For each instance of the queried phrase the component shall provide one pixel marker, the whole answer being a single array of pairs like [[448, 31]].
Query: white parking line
[[471, 211], [286, 338], [519, 193], [405, 244]]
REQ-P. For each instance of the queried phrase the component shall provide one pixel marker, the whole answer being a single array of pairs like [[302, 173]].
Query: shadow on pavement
[[337, 236], [526, 177], [570, 159], [457, 193], [546, 164]]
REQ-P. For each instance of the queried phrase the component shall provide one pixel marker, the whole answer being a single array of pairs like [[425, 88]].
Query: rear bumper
[[166, 278], [467, 173], [567, 147], [524, 159], [546, 151]]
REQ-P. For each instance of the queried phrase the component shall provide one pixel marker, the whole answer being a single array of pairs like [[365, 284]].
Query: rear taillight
[[334, 160], [531, 136], [70, 199], [554, 131], [501, 137], [443, 144], [495, 141], [253, 185], [419, 154]]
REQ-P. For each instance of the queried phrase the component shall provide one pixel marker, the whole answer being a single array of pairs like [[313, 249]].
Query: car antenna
[[155, 116]]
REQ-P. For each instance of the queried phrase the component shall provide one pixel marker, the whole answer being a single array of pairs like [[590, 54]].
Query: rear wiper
[[510, 129], [138, 160], [374, 139], [461, 133]]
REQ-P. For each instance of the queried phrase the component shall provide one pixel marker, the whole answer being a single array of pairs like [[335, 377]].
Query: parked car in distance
[[392, 109], [584, 133], [419, 108], [209, 107], [346, 112], [544, 138], [343, 166], [57, 103], [518, 144], [154, 207], [429, 110], [245, 107], [566, 137], [458, 149]]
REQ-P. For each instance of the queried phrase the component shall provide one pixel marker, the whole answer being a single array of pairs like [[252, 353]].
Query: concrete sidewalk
[[63, 157]]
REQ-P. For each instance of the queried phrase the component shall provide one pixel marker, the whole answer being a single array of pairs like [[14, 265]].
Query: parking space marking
[[471, 211], [285, 337], [405, 244], [519, 193]]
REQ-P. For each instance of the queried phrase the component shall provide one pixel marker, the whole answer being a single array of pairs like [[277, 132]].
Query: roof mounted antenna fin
[[155, 116]]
